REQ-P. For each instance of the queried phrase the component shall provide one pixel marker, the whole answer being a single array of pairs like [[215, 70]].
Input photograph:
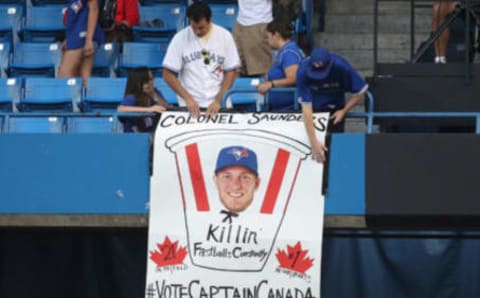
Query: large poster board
[[236, 208]]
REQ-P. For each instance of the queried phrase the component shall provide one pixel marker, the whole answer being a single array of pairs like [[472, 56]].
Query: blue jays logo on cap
[[237, 156]]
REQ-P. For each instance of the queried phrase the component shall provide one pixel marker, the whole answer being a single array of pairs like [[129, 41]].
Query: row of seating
[[45, 23], [62, 124], [43, 60], [101, 94], [25, 3]]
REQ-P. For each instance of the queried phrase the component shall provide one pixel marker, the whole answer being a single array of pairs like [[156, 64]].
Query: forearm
[[132, 109], [353, 101], [92, 18], [308, 122], [227, 83]]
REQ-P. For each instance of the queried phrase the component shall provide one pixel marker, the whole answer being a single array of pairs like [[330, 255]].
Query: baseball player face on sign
[[236, 187]]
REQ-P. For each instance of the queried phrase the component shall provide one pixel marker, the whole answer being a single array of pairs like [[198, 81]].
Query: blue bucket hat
[[237, 156], [319, 56]]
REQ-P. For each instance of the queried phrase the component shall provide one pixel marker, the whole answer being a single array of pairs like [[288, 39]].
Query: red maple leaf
[[168, 253], [294, 258]]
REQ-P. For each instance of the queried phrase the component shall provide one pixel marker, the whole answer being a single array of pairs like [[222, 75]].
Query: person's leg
[[70, 65], [256, 51], [86, 68], [441, 10], [237, 36]]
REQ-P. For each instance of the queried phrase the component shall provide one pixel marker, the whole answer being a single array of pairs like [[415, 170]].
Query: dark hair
[[285, 29], [198, 11], [136, 78]]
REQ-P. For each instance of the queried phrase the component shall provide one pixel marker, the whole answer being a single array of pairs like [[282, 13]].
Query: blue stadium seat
[[106, 124], [34, 124], [172, 15], [10, 21], [50, 94], [9, 94], [105, 60], [35, 60], [43, 23], [167, 92], [224, 15], [103, 94], [139, 54], [5, 49], [247, 97], [49, 2]]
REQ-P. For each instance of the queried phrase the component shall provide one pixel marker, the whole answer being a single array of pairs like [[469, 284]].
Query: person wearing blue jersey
[[81, 32], [322, 81], [141, 96], [283, 72]]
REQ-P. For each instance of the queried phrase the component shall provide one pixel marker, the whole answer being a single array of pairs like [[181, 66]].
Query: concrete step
[[335, 41], [386, 24], [363, 59], [354, 7]]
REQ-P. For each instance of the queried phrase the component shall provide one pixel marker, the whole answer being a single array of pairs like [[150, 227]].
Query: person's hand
[[193, 108], [213, 108], [88, 49], [264, 87], [318, 151], [156, 109], [338, 116]]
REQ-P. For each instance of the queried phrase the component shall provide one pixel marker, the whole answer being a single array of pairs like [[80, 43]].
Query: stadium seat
[[35, 60], [103, 94], [9, 94], [245, 96], [50, 94], [224, 15], [10, 21], [49, 2], [34, 124], [137, 54], [43, 23], [4, 58], [167, 92], [172, 16], [105, 124], [105, 60]]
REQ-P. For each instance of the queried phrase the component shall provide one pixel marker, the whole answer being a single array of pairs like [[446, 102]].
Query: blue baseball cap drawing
[[237, 156], [320, 64]]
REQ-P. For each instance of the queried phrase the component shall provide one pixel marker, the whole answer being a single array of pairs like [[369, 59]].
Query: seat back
[[50, 94], [34, 124], [91, 124], [5, 51], [35, 59], [43, 23], [140, 54], [105, 60], [171, 15], [10, 21], [9, 94], [224, 15], [245, 96], [167, 92], [103, 94]]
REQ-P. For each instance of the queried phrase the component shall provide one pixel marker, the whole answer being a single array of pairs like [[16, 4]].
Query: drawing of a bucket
[[218, 238]]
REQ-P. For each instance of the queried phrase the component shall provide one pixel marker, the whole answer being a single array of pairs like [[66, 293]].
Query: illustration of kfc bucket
[[235, 188]]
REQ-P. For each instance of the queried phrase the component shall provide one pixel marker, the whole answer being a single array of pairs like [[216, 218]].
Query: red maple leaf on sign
[[294, 258], [168, 253]]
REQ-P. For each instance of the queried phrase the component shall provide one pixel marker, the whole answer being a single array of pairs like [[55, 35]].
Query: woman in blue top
[[81, 34], [284, 69], [141, 96]]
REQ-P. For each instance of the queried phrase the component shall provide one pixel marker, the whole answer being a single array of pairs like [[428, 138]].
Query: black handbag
[[107, 13]]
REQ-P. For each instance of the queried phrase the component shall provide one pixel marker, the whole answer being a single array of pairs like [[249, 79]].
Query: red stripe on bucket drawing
[[196, 174], [276, 179]]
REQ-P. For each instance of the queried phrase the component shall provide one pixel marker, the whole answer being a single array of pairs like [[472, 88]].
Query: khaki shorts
[[255, 54]]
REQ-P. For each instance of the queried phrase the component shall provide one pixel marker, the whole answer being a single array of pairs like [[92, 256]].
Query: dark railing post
[[468, 9], [375, 37]]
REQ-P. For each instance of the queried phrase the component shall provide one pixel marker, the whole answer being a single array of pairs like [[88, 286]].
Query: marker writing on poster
[[320, 123], [231, 234], [196, 290], [170, 119]]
